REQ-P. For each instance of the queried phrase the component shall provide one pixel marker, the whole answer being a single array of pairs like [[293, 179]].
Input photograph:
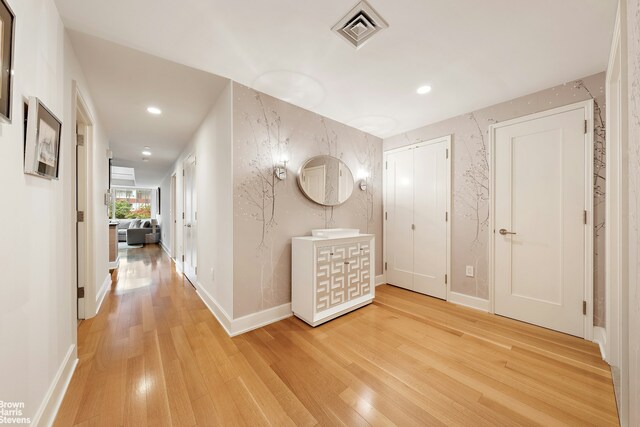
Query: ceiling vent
[[360, 24]]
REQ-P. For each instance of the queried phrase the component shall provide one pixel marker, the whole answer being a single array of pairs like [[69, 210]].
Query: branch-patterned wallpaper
[[471, 196], [269, 212]]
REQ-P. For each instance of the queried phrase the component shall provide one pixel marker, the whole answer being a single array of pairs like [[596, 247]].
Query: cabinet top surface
[[324, 239]]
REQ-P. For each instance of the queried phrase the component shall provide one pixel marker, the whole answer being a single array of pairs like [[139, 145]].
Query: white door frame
[[173, 217], [587, 106], [617, 230], [79, 107], [447, 140], [190, 158]]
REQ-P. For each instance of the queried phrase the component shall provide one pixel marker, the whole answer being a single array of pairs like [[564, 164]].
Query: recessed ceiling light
[[146, 153], [154, 110], [423, 90]]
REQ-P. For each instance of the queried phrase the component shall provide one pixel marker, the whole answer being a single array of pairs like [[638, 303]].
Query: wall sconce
[[280, 170], [362, 177]]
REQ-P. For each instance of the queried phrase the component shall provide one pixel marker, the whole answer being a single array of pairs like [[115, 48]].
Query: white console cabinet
[[331, 276]]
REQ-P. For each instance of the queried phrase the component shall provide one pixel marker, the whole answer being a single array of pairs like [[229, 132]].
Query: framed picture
[[7, 31], [42, 142]]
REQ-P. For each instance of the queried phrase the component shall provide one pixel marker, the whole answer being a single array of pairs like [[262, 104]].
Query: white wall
[[212, 146], [37, 292]]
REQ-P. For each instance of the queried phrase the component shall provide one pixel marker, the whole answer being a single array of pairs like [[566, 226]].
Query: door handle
[[189, 225], [504, 232]]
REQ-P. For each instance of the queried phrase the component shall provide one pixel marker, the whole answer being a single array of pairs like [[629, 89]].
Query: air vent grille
[[360, 24]]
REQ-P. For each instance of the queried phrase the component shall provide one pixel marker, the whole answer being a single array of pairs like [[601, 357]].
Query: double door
[[417, 199]]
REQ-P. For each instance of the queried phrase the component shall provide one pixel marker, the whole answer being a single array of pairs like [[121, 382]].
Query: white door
[[81, 209], [430, 206], [539, 221], [416, 227], [314, 180], [399, 218], [173, 216], [190, 220]]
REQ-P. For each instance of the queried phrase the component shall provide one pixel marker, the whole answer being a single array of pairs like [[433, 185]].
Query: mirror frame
[[309, 160]]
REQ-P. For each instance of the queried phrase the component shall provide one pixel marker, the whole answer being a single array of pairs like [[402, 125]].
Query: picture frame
[[42, 142], [7, 43]]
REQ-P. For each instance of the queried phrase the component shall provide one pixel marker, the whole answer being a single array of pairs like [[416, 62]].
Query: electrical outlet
[[469, 271]]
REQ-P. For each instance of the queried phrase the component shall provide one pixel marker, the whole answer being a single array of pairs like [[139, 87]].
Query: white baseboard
[[468, 301], [48, 409], [218, 312], [381, 280], [600, 338], [262, 318], [115, 264], [102, 292], [234, 327], [168, 252]]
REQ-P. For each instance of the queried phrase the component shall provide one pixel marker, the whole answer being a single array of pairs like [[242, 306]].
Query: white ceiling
[[473, 53], [124, 82]]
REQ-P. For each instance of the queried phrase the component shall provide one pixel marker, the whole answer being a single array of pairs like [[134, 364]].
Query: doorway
[[542, 242], [173, 216], [416, 227], [83, 134], [190, 223]]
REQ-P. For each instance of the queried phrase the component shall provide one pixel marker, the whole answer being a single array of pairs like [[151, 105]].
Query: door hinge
[[182, 258], [386, 165], [196, 270], [446, 217], [182, 172], [584, 217], [413, 226], [584, 308], [80, 216], [446, 279], [196, 215], [447, 153], [386, 215], [81, 292], [80, 140], [182, 215], [385, 266], [586, 124]]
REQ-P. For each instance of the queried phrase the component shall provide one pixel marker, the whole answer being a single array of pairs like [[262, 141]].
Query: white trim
[[468, 301], [262, 318], [165, 249], [381, 280], [46, 414], [616, 348], [102, 292], [447, 140], [218, 312], [600, 338], [235, 327], [616, 173], [587, 106]]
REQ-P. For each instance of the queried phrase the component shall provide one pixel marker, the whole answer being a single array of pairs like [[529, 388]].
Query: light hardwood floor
[[156, 356]]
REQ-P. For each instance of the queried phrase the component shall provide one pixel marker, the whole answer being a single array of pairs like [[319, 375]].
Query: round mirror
[[326, 180]]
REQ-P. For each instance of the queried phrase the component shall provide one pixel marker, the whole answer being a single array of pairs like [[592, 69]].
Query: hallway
[[155, 355]]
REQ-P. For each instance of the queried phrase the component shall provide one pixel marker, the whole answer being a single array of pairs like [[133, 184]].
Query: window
[[130, 203]]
